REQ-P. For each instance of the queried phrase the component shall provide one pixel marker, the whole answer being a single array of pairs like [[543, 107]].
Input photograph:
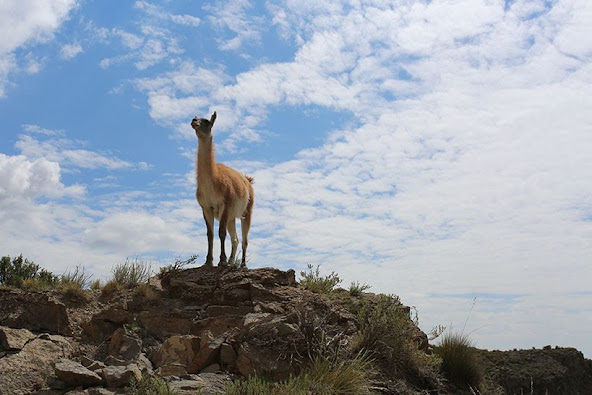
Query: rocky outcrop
[[35, 311], [201, 328], [24, 370], [539, 372]]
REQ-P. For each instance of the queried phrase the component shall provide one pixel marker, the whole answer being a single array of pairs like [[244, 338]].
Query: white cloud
[[21, 178], [235, 17], [70, 51], [27, 22], [63, 150], [471, 181]]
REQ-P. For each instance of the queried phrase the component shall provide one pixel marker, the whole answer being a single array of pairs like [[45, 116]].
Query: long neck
[[206, 160]]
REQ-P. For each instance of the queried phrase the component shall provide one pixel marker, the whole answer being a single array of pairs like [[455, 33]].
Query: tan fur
[[223, 194]]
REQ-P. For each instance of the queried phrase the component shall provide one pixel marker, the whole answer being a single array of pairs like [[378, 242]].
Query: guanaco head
[[203, 126]]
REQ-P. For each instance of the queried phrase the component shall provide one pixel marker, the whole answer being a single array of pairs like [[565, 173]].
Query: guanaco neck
[[206, 161]]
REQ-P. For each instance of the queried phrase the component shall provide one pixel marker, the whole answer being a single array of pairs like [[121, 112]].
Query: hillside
[[204, 330]]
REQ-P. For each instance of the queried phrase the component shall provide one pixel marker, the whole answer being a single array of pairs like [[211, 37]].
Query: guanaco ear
[[213, 119]]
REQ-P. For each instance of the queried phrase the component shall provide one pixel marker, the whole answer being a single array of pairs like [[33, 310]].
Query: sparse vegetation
[[131, 273], [76, 278], [177, 266], [313, 281], [110, 288], [386, 334], [146, 291], [459, 360], [356, 289], [13, 273], [323, 377], [96, 285], [150, 385]]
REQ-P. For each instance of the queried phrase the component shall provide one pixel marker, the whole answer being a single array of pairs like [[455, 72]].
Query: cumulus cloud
[[464, 168], [21, 178], [27, 22]]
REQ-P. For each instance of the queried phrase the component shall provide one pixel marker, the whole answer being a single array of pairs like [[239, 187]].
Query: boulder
[[209, 352], [120, 376], [227, 356], [36, 311], [14, 339], [203, 384], [172, 369], [125, 344], [177, 350], [75, 375], [26, 371]]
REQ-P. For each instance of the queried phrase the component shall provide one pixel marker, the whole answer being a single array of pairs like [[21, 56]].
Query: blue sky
[[438, 150]]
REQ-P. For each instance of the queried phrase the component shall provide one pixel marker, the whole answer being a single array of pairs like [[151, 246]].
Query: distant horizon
[[439, 151]]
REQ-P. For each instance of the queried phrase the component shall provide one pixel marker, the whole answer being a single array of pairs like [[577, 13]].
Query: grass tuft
[[323, 376], [356, 289], [131, 273], [459, 360], [150, 385], [313, 281]]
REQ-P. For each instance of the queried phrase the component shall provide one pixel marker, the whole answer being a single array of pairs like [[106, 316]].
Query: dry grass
[[131, 273], [146, 291], [459, 360], [111, 288]]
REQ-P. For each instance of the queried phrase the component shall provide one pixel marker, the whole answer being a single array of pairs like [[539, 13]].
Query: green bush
[[150, 385], [460, 364], [356, 289], [384, 332], [130, 274], [13, 273], [313, 281]]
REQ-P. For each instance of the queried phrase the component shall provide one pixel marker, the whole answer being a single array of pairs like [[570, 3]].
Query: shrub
[[15, 272], [356, 289], [150, 385], [146, 291], [110, 288], [76, 278], [130, 274], [176, 267], [460, 364], [384, 332], [313, 281], [96, 285]]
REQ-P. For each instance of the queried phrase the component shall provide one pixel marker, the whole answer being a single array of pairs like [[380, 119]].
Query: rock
[[75, 375], [96, 365], [35, 311], [99, 391], [213, 368], [27, 370], [110, 360], [172, 369], [208, 353], [203, 384], [125, 344], [14, 339], [144, 364], [55, 384], [178, 350], [120, 376], [227, 355], [77, 392]]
